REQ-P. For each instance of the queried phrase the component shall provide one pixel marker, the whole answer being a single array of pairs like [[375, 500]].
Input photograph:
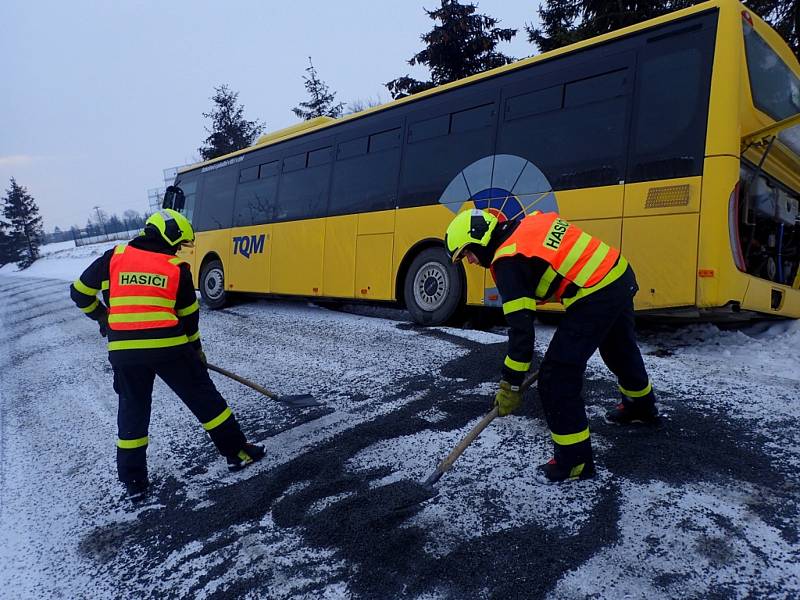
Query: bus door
[[251, 237], [298, 234], [666, 152], [374, 247]]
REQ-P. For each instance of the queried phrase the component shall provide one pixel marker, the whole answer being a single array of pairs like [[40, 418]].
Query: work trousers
[[188, 377], [602, 320]]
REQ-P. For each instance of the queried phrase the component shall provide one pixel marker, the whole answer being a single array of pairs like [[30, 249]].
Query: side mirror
[[174, 198]]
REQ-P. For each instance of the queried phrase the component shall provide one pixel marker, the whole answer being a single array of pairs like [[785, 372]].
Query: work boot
[[554, 472], [630, 413], [136, 490], [246, 456]]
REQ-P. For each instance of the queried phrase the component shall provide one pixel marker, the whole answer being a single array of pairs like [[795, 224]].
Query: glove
[[202, 356], [102, 322], [508, 398]]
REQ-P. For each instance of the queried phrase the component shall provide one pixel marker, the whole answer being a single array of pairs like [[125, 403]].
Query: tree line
[[464, 42]]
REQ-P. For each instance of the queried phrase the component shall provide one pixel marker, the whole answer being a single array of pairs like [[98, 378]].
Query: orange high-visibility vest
[[578, 257], [142, 289]]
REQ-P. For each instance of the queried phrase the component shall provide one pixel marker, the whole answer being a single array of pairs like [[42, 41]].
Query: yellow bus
[[676, 140]]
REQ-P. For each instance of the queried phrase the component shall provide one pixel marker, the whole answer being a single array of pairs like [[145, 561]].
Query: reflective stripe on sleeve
[[515, 365], [182, 312], [518, 304], [84, 289], [131, 444], [195, 336], [638, 394], [148, 344], [218, 420], [545, 282], [571, 438], [104, 284], [91, 307]]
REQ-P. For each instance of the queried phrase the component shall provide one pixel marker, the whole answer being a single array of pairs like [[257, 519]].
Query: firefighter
[[543, 258], [150, 314]]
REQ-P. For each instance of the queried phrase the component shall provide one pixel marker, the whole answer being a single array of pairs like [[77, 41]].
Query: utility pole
[[100, 218]]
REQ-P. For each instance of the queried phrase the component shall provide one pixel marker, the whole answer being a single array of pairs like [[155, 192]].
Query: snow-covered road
[[705, 507]]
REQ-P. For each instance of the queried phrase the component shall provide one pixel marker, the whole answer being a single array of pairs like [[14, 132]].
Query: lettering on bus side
[[248, 244], [557, 230], [151, 279]]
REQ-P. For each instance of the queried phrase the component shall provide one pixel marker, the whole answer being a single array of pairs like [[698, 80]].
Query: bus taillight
[[733, 228]]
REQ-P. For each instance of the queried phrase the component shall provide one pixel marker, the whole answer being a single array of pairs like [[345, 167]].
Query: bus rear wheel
[[434, 288], [212, 284]]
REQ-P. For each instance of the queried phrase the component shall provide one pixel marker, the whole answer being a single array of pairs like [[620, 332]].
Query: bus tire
[[434, 288], [212, 284]]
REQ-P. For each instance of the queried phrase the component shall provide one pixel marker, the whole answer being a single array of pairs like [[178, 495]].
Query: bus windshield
[[775, 88]]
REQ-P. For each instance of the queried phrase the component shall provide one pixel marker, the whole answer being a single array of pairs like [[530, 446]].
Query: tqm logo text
[[248, 244]]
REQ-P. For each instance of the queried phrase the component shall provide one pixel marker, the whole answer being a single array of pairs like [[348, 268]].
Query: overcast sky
[[99, 97]]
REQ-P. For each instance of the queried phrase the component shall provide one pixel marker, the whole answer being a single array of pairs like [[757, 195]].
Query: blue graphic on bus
[[248, 244], [501, 203]]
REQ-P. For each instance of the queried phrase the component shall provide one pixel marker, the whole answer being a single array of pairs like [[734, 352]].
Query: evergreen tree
[[8, 252], [320, 98], [567, 21], [230, 131], [26, 225], [783, 16], [463, 44]]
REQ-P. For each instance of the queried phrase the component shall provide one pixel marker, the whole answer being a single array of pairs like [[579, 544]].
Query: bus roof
[[321, 123]]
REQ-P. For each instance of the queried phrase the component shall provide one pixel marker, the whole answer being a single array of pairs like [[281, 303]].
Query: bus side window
[[303, 190], [217, 200], [365, 173], [671, 107], [576, 133], [255, 199], [438, 148]]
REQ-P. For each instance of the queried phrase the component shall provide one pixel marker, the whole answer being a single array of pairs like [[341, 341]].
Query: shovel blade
[[300, 400]]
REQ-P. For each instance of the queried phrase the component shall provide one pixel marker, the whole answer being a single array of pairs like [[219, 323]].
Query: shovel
[[418, 493], [297, 400]]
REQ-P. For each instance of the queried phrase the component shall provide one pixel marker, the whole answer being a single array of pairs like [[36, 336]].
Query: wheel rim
[[431, 285], [214, 283]]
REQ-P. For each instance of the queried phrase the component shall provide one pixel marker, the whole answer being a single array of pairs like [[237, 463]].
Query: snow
[[706, 507]]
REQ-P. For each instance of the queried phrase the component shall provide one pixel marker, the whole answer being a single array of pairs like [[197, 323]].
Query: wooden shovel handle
[[445, 465], [242, 380]]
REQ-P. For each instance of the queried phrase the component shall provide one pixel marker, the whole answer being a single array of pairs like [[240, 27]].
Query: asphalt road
[[706, 507]]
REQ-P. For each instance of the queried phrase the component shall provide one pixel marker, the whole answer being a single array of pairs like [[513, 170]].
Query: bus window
[[385, 140], [269, 169], [581, 145], [670, 114], [248, 174], [303, 191], [431, 158], [255, 202], [217, 200], [352, 148], [775, 89], [534, 103], [366, 181], [189, 187]]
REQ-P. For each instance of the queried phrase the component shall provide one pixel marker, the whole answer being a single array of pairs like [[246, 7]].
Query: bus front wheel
[[212, 284], [434, 288]]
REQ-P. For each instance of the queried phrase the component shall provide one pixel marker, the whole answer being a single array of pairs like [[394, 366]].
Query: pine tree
[[465, 43], [783, 16], [320, 98], [26, 225], [567, 21], [7, 250], [230, 131]]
